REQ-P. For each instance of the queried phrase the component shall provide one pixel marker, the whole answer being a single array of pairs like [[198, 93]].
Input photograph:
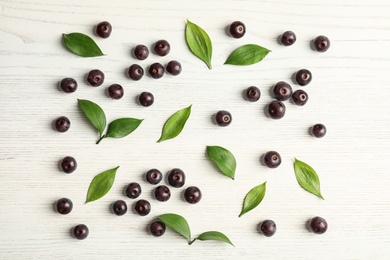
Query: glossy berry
[[318, 130], [192, 195], [162, 193], [223, 118], [176, 178], [173, 67], [287, 38], [156, 70], [303, 77], [282, 91], [272, 159], [321, 43], [133, 190], [64, 206], [300, 97], [153, 176], [142, 207], [103, 29], [95, 78], [161, 48], [276, 109], [68, 85], [146, 99], [68, 164], [115, 91], [318, 225], [61, 124], [141, 52], [135, 72], [80, 232], [157, 228], [119, 207], [252, 94], [237, 29], [267, 228]]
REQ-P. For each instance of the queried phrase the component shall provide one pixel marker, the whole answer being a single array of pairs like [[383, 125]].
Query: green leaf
[[122, 127], [177, 223], [81, 44], [223, 158], [253, 198], [307, 178], [247, 55], [213, 235], [101, 184], [175, 124], [198, 41], [94, 113]]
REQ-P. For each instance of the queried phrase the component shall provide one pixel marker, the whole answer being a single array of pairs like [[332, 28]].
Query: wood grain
[[349, 94]]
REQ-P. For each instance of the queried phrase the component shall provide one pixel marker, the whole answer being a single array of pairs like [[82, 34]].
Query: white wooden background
[[349, 94]]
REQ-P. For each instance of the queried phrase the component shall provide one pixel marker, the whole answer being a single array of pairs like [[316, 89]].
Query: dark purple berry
[[141, 52], [173, 67], [303, 77], [192, 195], [153, 176], [95, 78], [318, 225], [64, 206], [223, 118], [156, 70], [142, 207], [271, 159], [288, 38], [103, 29], [157, 228], [321, 43], [237, 29], [68, 85], [276, 109], [61, 124], [68, 164], [133, 190], [282, 91], [115, 91], [176, 178], [252, 94], [119, 207], [80, 232], [146, 99], [162, 193], [161, 48], [300, 97], [267, 228], [135, 72], [318, 130]]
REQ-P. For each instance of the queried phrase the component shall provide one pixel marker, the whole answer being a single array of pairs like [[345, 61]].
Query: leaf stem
[[101, 138], [190, 242]]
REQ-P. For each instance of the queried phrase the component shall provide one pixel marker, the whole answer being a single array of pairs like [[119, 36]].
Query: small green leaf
[[307, 178], [199, 42], [213, 235], [122, 127], [94, 113], [253, 198], [101, 184], [223, 158], [175, 124], [247, 55], [177, 223], [81, 44]]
